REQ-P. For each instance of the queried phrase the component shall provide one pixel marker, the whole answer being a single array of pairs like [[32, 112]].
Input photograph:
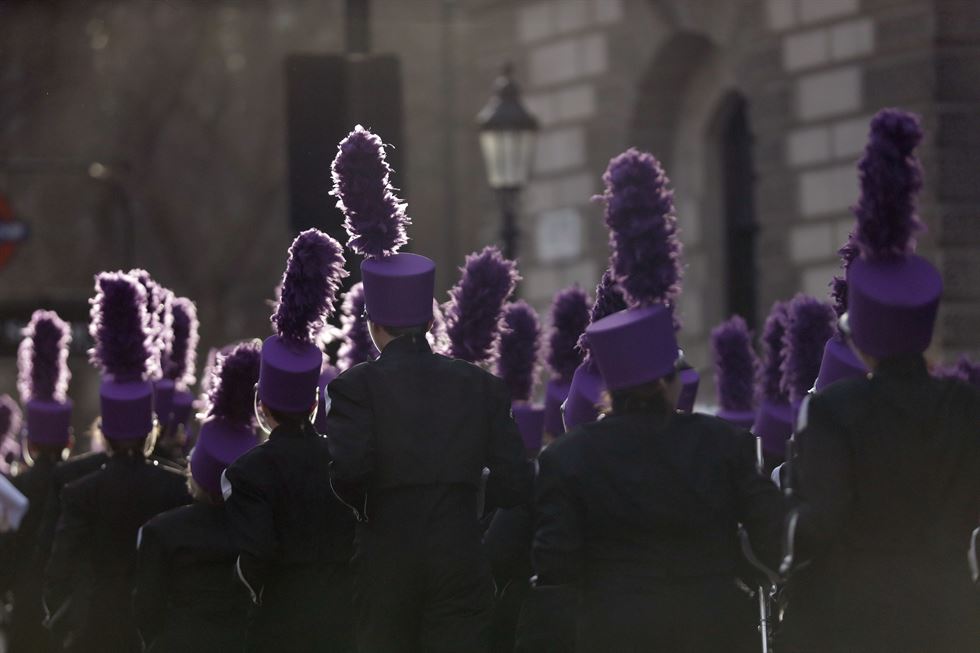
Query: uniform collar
[[406, 346], [909, 365]]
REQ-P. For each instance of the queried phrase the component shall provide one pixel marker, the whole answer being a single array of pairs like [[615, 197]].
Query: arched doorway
[[732, 137]]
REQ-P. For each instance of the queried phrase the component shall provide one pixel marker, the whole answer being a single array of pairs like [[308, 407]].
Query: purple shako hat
[[517, 362], [229, 430], [125, 354], [633, 347], [476, 303], [585, 391], [43, 375], [398, 287], [690, 380], [735, 365], [893, 295], [809, 326], [291, 359], [774, 421], [569, 317]]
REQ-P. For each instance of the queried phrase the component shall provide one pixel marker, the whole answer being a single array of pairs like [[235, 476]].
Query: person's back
[[295, 541], [19, 558], [642, 513], [187, 598], [95, 545], [888, 470], [412, 432]]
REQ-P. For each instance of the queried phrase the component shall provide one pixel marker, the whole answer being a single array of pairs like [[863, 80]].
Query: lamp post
[[507, 134]]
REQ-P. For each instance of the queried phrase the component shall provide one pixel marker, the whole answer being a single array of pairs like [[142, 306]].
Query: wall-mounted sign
[[559, 235], [12, 231]]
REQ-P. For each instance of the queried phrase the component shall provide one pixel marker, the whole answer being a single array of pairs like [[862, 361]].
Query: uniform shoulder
[[843, 390], [166, 521], [78, 466]]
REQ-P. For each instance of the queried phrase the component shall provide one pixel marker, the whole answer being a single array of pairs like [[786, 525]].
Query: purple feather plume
[[735, 364], [313, 274], [769, 376], [231, 391], [437, 336], [375, 218], [891, 178], [42, 358], [125, 348], [518, 349], [183, 351], [963, 370], [609, 299], [569, 316], [838, 285], [646, 251], [357, 346], [159, 311], [10, 417], [476, 302], [810, 324]]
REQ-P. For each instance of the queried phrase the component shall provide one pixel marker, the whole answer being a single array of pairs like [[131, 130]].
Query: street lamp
[[507, 134]]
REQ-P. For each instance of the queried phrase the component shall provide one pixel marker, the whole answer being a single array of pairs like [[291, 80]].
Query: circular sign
[[11, 231]]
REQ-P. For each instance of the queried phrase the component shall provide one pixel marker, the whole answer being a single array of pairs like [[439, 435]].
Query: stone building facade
[[757, 108]]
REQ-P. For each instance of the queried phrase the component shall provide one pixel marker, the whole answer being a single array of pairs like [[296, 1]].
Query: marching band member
[[411, 432], [569, 316], [774, 418], [886, 468], [641, 510], [735, 364], [186, 597], [93, 554], [294, 536], [43, 381]]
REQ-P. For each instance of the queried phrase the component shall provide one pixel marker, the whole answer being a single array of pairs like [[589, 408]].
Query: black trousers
[[422, 585]]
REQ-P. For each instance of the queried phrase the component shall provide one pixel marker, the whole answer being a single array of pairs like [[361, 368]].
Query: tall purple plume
[[231, 391], [159, 310], [964, 370], [810, 324], [125, 348], [357, 346], [519, 349], [735, 364], [313, 274], [182, 361], [375, 217], [890, 181], [769, 373], [646, 251], [609, 299], [42, 358], [838, 285], [10, 417], [476, 302], [437, 336], [569, 317]]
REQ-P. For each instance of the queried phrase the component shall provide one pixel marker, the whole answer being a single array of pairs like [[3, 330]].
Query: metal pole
[[509, 232]]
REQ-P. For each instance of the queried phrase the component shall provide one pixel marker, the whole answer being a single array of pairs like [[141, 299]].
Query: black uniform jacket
[[21, 569], [64, 473], [887, 471], [642, 512], [187, 596], [94, 553], [411, 433], [295, 540]]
